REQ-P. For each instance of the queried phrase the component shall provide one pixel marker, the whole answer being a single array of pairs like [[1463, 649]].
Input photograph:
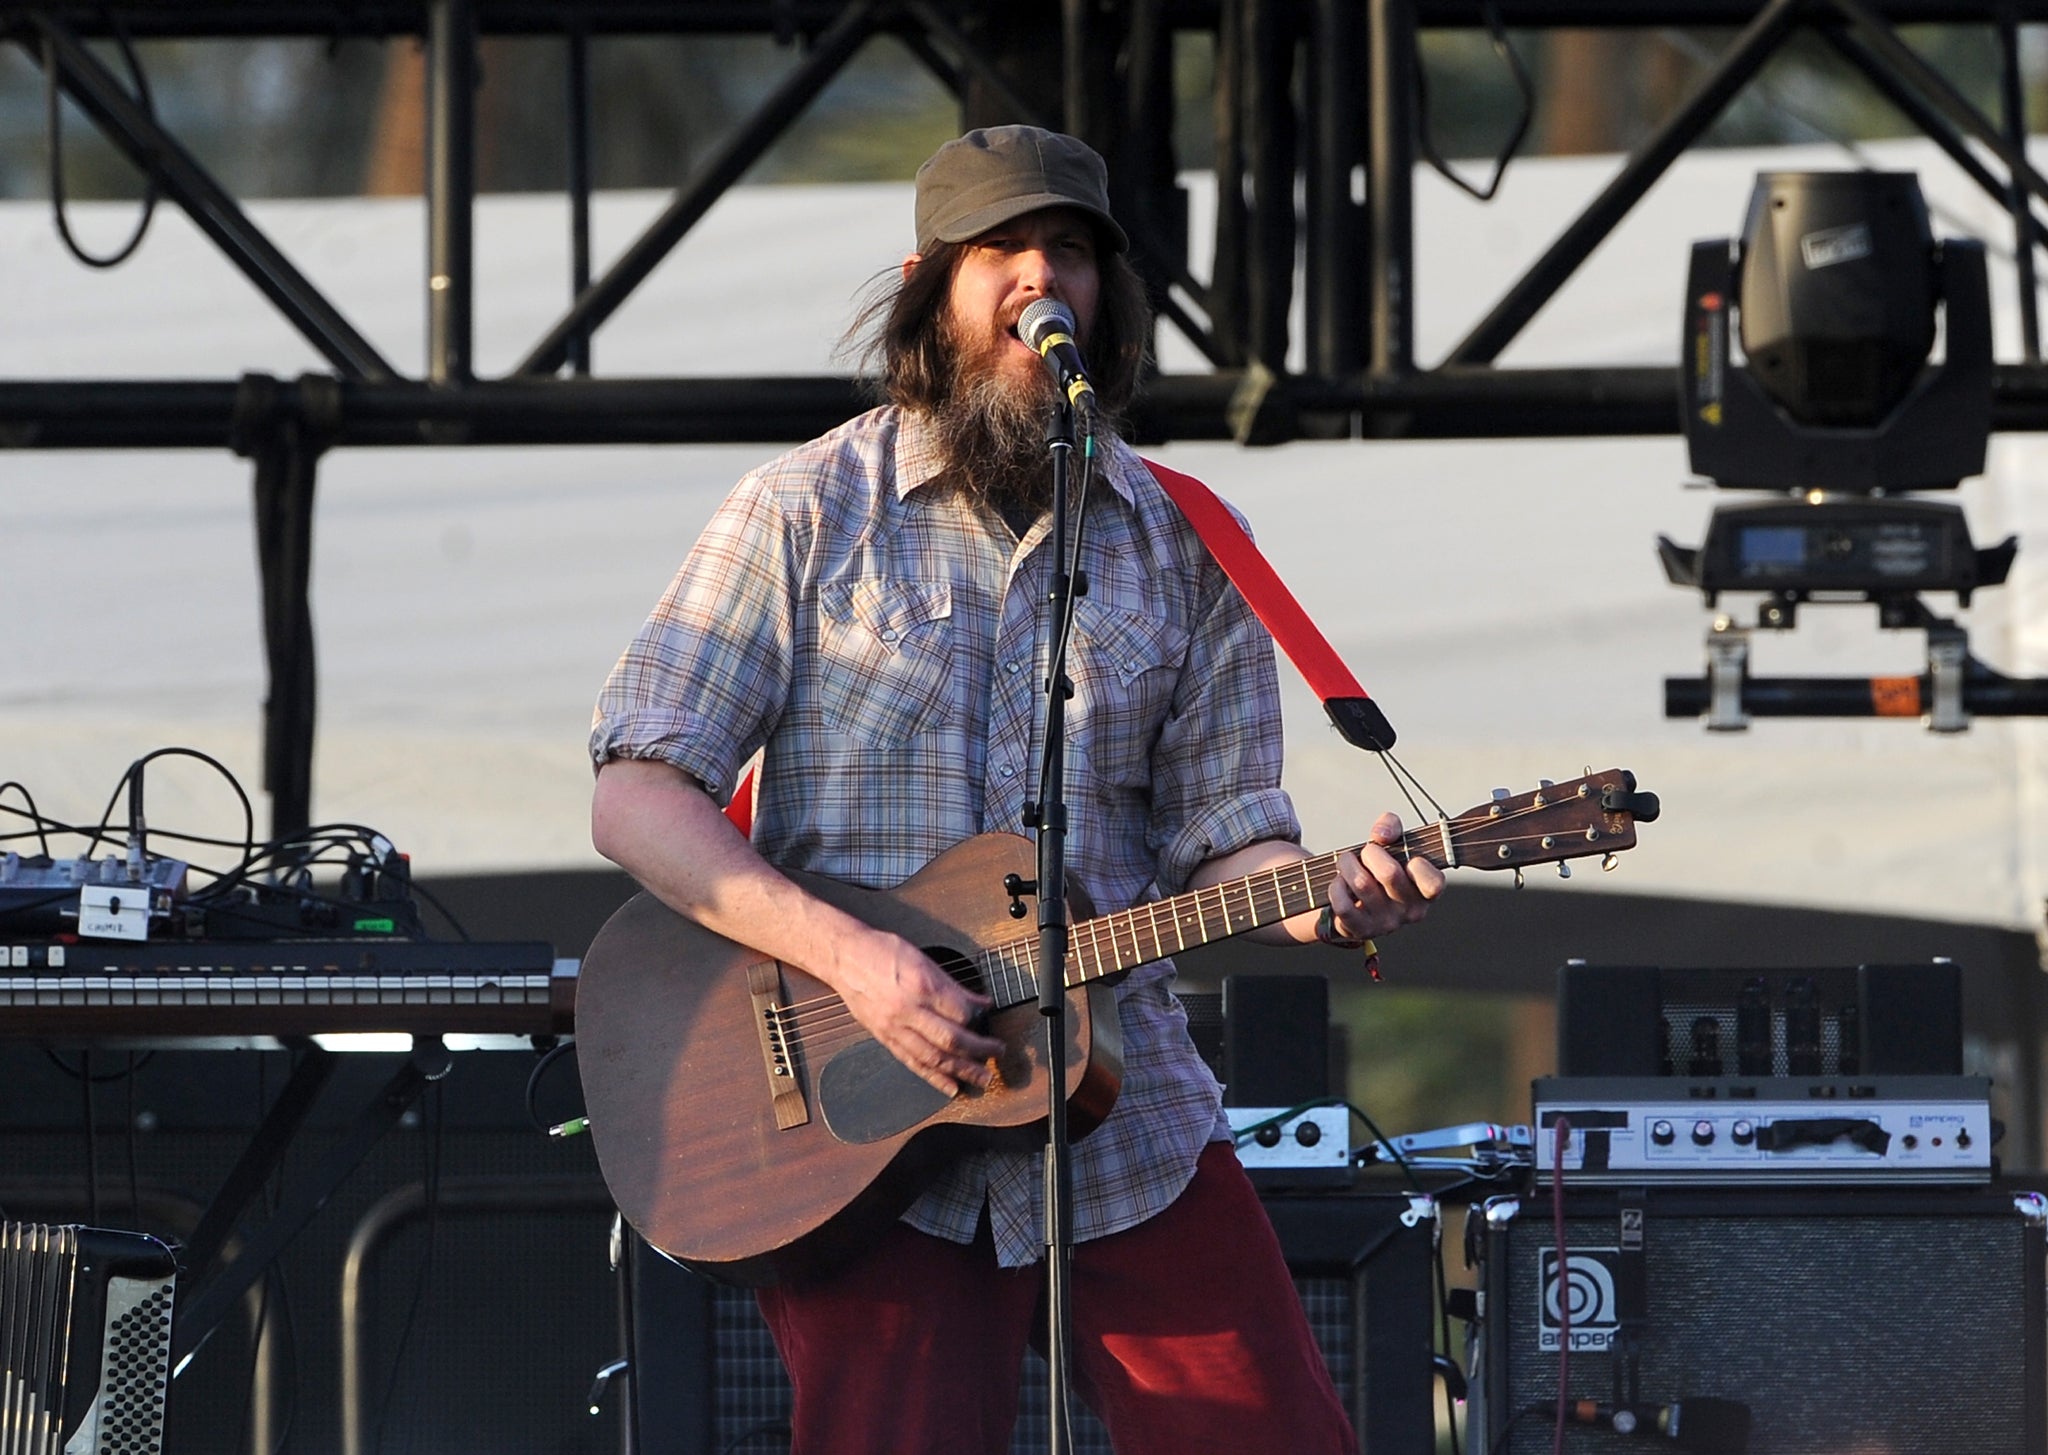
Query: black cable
[[356, 846], [53, 114], [107, 816], [318, 837], [365, 848], [548, 1058], [361, 849], [35, 815], [1380, 1138], [77, 1074], [461, 931], [1425, 140], [1057, 644]]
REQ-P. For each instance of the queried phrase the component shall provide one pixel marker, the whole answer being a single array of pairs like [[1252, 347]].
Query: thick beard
[[990, 428]]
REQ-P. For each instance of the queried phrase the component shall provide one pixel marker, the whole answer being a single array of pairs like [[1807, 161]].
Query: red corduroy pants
[[1189, 1337]]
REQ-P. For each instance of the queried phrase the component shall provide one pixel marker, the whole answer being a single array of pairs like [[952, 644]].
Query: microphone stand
[[1049, 817]]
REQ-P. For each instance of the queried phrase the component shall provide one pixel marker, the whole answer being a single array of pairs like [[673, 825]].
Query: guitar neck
[[1592, 815], [1113, 943]]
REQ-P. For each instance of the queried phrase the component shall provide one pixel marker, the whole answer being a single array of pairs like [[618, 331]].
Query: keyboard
[[230, 989]]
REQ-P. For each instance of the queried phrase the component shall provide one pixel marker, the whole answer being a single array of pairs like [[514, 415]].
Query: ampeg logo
[[1586, 1292]]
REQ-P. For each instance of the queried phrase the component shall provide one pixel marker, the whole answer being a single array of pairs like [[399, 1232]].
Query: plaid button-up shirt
[[882, 639]]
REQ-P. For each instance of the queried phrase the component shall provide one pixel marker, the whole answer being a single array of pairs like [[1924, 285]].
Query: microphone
[[1705, 1425], [1048, 327]]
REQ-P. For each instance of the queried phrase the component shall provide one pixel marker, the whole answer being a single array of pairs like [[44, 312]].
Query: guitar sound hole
[[962, 969], [957, 965]]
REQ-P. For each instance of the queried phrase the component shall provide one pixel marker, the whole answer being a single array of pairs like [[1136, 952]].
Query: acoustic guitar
[[750, 1128]]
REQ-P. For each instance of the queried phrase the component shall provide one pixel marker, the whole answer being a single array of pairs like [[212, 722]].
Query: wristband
[[1326, 931]]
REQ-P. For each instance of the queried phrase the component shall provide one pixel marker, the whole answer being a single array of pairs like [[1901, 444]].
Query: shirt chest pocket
[[1126, 664], [886, 657]]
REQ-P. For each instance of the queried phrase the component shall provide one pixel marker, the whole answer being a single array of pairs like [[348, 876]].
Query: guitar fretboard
[[1113, 943]]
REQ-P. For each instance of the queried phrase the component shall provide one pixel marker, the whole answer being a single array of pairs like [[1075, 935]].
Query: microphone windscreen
[[1046, 316]]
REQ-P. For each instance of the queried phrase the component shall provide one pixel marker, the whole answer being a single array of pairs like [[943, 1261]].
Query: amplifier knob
[[1703, 1133], [1744, 1132], [1663, 1133]]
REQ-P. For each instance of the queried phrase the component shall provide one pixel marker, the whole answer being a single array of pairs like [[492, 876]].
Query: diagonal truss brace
[[155, 151]]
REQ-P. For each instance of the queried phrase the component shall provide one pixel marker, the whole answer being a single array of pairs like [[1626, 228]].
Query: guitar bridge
[[778, 1046]]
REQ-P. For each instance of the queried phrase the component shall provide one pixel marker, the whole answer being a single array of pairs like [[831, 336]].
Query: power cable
[[53, 122]]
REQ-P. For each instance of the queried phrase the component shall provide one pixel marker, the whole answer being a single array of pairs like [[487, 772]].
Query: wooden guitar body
[[688, 1101]]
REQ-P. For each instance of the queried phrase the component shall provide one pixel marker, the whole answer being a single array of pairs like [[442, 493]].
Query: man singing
[[867, 611]]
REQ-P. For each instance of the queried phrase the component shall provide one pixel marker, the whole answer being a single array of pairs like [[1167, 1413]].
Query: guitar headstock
[[1596, 814]]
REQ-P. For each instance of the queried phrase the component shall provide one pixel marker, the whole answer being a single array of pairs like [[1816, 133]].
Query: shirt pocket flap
[[890, 611], [1129, 643]]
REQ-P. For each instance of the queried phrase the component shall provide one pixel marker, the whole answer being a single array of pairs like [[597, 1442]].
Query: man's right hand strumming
[[923, 1015], [660, 826]]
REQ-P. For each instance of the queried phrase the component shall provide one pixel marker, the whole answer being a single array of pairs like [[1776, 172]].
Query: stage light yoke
[[1836, 293]]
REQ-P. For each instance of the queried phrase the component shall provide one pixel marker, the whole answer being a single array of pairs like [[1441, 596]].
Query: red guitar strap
[[1356, 715], [741, 809]]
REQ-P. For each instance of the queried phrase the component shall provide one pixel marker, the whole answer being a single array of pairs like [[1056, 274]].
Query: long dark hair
[[906, 339]]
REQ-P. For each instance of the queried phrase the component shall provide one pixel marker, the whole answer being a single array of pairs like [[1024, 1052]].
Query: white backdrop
[[1501, 599]]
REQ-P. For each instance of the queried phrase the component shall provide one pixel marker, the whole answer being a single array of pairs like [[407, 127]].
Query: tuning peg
[[1609, 863], [1545, 783], [1564, 871], [1518, 877], [1500, 793]]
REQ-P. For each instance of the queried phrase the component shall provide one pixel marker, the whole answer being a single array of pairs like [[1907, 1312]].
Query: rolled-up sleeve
[[703, 683]]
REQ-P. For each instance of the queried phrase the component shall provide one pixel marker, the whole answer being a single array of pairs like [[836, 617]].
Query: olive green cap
[[988, 177]]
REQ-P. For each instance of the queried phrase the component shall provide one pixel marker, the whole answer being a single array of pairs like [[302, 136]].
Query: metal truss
[[1315, 91]]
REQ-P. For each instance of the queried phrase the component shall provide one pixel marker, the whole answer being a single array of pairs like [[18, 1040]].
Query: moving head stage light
[[1836, 292]]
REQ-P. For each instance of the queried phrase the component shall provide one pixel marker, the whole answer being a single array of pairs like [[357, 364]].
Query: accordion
[[85, 1340]]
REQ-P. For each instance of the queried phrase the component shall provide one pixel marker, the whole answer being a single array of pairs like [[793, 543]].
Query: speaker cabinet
[[1847, 1321], [1276, 1039], [706, 1376]]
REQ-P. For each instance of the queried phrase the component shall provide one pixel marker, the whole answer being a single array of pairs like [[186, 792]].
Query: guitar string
[[824, 1012], [816, 1020], [824, 1025]]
